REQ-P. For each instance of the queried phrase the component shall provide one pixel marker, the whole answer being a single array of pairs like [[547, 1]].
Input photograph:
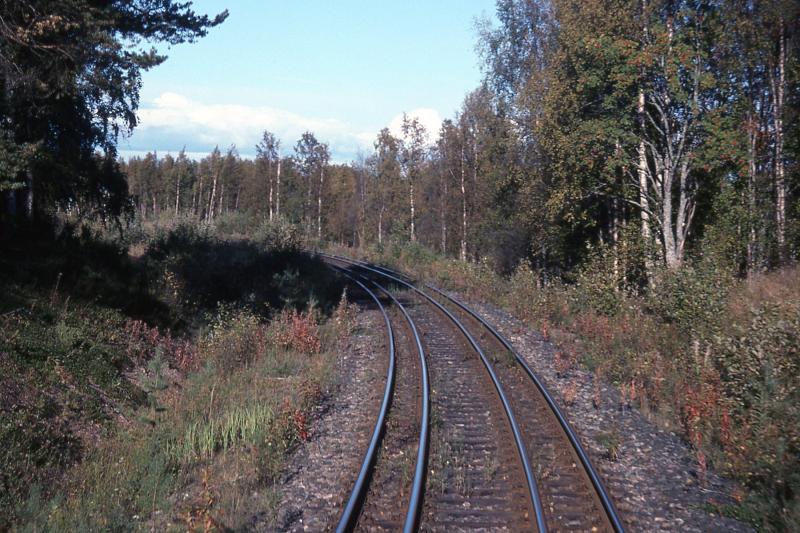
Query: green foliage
[[598, 286], [691, 298], [759, 362], [200, 270], [71, 72], [61, 366], [279, 235]]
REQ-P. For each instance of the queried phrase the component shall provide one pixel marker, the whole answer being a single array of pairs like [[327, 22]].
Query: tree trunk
[[751, 192], [615, 222], [411, 198], [671, 257], [278, 191], [362, 214], [198, 211], [463, 206], [177, 194], [380, 225], [210, 212], [269, 181], [29, 195], [778, 90], [644, 203], [443, 212], [221, 204], [319, 203], [307, 216]]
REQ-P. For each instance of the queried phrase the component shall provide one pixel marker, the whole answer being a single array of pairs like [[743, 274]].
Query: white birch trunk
[[380, 225], [177, 193], [319, 202], [269, 181], [778, 91], [278, 191], [463, 206], [212, 198], [411, 198]]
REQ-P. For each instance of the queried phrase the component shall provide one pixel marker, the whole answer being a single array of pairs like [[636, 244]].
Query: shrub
[[234, 339], [297, 331], [235, 223], [691, 298], [278, 235], [197, 271], [599, 285]]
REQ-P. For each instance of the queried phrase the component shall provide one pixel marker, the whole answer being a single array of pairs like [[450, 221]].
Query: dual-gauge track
[[466, 437]]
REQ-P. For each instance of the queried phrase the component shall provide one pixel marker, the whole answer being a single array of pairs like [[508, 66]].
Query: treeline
[[452, 194], [644, 132]]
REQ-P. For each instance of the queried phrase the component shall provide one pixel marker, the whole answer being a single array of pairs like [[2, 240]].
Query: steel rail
[[352, 509], [536, 502], [420, 469], [602, 493], [605, 499]]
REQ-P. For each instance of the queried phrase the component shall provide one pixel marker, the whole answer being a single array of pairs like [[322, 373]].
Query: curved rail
[[605, 499], [350, 515], [352, 509], [597, 483], [530, 479]]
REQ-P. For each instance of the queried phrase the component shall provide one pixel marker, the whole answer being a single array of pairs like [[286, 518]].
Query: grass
[[222, 429]]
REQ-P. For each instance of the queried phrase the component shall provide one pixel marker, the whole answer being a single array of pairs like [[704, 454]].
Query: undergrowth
[[160, 388]]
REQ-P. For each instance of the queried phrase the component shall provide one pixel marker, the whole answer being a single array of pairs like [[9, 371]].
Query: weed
[[203, 516], [610, 442], [570, 392]]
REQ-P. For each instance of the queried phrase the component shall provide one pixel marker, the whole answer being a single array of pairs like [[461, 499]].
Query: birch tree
[[412, 156], [322, 156], [267, 157], [387, 174]]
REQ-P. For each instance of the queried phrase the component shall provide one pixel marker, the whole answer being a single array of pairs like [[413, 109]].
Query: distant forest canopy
[[644, 132]]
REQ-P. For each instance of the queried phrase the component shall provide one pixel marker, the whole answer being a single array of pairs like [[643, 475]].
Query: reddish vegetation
[[298, 331], [143, 341]]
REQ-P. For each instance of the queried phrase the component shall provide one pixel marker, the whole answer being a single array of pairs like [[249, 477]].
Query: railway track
[[401, 433], [502, 456]]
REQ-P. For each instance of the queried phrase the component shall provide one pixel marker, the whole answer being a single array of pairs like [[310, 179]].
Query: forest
[[625, 179], [666, 133]]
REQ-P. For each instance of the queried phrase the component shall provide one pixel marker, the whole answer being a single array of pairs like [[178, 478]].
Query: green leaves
[[71, 70]]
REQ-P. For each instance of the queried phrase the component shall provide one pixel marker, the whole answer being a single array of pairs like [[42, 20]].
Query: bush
[[197, 270], [235, 224], [691, 298], [759, 365], [234, 339], [279, 235]]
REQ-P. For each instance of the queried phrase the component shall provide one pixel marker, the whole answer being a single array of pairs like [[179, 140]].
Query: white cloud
[[177, 119], [172, 121], [426, 116]]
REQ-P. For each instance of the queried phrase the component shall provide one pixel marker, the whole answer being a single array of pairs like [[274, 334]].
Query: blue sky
[[343, 69]]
